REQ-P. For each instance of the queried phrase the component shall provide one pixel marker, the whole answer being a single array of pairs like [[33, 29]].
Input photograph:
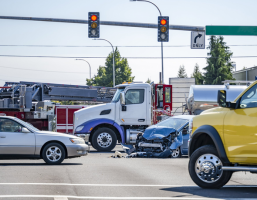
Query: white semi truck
[[133, 108]]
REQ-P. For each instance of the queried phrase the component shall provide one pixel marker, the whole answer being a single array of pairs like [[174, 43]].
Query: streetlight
[[113, 59], [161, 42], [89, 67]]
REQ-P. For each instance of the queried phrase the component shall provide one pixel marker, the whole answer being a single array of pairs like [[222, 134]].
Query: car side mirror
[[184, 132], [122, 98], [25, 130]]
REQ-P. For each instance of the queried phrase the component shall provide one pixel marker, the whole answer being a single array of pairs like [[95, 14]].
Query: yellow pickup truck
[[224, 140]]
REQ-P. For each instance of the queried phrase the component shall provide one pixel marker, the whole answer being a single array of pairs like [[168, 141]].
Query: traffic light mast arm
[[151, 3], [108, 23]]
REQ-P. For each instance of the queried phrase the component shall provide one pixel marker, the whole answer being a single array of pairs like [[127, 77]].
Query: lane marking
[[116, 185], [140, 198], [60, 198]]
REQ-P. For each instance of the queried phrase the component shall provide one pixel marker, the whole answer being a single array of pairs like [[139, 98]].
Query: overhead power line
[[79, 46], [23, 56], [43, 70]]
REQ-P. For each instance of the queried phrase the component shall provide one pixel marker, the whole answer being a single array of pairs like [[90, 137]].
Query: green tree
[[219, 65], [197, 74], [148, 80], [104, 75], [182, 72], [64, 102]]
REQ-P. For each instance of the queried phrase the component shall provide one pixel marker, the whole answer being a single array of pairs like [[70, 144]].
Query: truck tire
[[205, 168], [104, 139], [53, 153]]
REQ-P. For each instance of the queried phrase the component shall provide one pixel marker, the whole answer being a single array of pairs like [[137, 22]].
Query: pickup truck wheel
[[205, 168], [104, 139]]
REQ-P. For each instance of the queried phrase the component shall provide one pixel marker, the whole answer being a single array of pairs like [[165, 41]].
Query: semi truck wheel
[[104, 139], [205, 168]]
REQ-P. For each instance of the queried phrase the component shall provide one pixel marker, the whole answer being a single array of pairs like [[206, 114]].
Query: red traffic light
[[163, 22], [93, 17]]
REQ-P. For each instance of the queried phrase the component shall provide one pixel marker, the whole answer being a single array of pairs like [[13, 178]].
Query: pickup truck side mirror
[[222, 98], [122, 98]]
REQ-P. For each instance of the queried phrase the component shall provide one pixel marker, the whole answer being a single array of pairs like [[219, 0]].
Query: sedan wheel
[[176, 153], [53, 153]]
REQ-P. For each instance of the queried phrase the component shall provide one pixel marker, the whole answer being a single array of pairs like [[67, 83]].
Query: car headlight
[[77, 140], [79, 128]]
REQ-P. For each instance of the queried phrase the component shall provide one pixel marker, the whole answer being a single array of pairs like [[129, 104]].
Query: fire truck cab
[[134, 107]]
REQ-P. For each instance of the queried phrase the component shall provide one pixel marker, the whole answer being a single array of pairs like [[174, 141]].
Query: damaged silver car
[[168, 138]]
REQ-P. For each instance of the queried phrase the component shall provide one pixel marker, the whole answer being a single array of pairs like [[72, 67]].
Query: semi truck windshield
[[116, 97]]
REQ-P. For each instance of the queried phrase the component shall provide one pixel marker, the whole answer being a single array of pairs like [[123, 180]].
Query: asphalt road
[[98, 176]]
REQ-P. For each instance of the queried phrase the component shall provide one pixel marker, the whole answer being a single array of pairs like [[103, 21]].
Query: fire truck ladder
[[15, 95]]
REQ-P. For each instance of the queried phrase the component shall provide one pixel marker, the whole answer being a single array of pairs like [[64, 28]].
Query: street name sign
[[197, 40], [231, 30]]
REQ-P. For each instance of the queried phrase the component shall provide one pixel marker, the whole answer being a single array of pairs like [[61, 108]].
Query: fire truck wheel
[[104, 139], [53, 153]]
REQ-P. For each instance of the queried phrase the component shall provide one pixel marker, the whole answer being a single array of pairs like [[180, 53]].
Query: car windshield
[[175, 123], [116, 97], [30, 126]]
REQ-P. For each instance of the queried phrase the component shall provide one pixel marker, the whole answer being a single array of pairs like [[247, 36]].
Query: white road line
[[140, 198], [60, 198], [115, 185]]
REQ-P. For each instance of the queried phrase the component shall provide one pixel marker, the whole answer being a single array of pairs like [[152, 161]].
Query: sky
[[71, 71]]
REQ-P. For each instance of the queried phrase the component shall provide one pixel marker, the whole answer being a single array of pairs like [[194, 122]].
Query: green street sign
[[231, 30]]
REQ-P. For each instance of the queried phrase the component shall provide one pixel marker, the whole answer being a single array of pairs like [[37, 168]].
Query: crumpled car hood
[[157, 132]]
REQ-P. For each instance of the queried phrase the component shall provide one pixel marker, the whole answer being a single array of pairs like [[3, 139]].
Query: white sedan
[[20, 140]]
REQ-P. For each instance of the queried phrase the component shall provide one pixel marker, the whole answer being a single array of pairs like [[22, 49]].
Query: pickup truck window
[[249, 99], [134, 96]]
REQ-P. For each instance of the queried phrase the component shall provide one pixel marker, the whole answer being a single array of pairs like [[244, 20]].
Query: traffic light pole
[[161, 42]]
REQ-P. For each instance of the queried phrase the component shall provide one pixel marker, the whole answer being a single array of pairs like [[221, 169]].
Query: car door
[[240, 129], [135, 107], [13, 141]]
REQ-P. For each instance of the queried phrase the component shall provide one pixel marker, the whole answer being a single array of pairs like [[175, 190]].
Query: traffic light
[[93, 24], [163, 29]]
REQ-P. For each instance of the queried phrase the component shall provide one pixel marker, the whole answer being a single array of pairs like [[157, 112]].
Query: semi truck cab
[[133, 108]]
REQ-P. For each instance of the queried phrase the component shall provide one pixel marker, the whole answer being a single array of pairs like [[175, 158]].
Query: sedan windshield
[[175, 123], [30, 126], [116, 97]]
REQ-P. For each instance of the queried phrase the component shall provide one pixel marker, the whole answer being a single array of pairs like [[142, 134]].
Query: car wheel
[[53, 153], [205, 168], [104, 139], [176, 153]]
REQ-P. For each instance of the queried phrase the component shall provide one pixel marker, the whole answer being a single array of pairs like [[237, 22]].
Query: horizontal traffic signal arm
[[109, 23]]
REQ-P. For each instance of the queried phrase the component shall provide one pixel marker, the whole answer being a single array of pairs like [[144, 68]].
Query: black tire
[[176, 154], [199, 156], [106, 134], [58, 149]]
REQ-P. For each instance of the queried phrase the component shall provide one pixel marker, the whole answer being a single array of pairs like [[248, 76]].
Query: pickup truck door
[[240, 129], [134, 112], [13, 141]]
